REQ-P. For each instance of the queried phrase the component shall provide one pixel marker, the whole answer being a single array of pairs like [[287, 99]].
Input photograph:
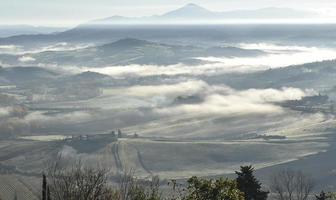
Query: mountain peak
[[189, 10], [192, 5]]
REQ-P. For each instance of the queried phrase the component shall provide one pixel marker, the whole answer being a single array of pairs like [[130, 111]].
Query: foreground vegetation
[[81, 183]]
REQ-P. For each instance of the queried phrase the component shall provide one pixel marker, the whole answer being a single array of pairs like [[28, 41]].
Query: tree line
[[83, 183]]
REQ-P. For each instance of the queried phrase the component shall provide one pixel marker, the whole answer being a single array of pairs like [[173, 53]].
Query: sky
[[73, 12]]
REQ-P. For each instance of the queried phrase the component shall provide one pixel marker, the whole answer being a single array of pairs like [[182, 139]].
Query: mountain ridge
[[193, 12], [130, 51]]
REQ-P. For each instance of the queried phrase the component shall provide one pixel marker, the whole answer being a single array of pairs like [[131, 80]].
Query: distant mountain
[[12, 30], [37, 77], [129, 51], [88, 75], [190, 11], [195, 14], [26, 75], [268, 13], [155, 28], [298, 76]]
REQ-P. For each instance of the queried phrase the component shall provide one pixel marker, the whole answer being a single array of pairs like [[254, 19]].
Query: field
[[168, 105]]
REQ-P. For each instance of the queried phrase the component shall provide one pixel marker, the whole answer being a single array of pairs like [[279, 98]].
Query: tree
[[82, 183], [220, 189], [291, 185], [48, 193], [44, 187], [113, 134], [248, 184], [78, 183], [120, 135], [15, 196], [130, 188], [322, 196], [146, 190]]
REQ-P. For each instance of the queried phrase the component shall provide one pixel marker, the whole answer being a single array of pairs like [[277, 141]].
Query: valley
[[161, 107]]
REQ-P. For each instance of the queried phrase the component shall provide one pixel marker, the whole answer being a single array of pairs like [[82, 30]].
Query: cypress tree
[[44, 187], [15, 196], [248, 184], [48, 193]]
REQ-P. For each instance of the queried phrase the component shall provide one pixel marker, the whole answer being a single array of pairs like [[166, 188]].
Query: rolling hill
[[130, 51]]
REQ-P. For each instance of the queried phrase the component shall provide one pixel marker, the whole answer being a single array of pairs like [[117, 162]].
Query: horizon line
[[60, 24]]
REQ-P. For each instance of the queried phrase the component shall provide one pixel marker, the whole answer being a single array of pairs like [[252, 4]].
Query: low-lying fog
[[275, 56], [237, 99]]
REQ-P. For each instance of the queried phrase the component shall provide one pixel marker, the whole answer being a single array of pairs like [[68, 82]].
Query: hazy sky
[[72, 12]]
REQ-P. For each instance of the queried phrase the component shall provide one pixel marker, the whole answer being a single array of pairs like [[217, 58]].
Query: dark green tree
[[44, 187], [120, 135], [15, 196], [208, 189], [322, 196], [249, 185]]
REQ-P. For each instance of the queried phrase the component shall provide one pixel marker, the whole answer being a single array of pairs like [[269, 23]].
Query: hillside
[[300, 76], [130, 51]]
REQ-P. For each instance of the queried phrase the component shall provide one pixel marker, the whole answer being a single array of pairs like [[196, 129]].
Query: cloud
[[221, 105], [272, 95], [5, 111], [16, 120], [173, 90], [226, 101], [64, 118], [26, 59], [220, 99], [12, 111], [279, 56], [61, 46], [67, 152], [215, 68], [10, 49], [21, 50]]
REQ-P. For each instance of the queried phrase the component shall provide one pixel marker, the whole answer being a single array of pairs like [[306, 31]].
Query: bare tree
[[291, 185], [131, 188], [125, 184], [78, 183]]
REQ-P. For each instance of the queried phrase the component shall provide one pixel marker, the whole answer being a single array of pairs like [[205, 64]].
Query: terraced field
[[21, 186], [183, 159], [172, 148]]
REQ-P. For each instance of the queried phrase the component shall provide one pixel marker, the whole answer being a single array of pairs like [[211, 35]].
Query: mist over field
[[190, 92]]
